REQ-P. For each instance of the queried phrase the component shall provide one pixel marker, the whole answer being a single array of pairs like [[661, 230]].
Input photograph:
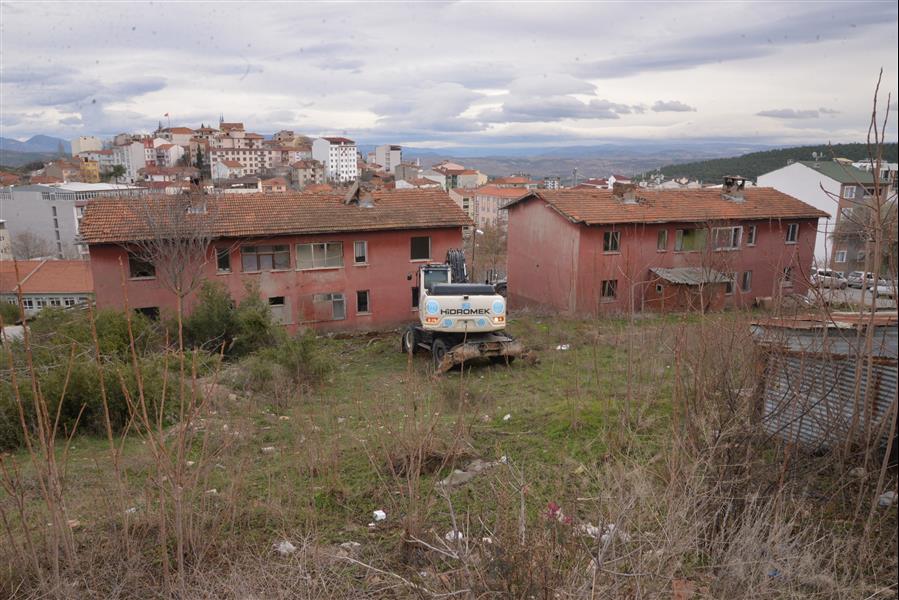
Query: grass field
[[642, 426]]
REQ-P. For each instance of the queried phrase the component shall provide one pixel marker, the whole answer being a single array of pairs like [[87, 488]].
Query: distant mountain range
[[36, 143], [757, 163]]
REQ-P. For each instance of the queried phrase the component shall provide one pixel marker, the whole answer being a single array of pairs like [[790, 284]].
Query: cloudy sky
[[452, 74]]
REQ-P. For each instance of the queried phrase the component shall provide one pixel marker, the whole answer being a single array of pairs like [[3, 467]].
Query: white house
[[827, 185], [227, 169], [339, 156]]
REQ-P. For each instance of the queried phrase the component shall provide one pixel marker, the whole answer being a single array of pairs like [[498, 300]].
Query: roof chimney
[[733, 188], [625, 192]]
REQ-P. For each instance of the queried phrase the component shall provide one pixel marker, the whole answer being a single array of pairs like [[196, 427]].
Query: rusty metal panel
[[809, 394]]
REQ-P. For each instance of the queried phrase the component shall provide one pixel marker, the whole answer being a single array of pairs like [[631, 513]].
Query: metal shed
[[816, 388]]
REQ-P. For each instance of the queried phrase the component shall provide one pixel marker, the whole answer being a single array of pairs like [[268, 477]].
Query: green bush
[[9, 312], [294, 362], [55, 327], [83, 395], [215, 320]]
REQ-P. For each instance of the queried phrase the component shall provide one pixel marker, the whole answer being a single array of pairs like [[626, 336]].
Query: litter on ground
[[563, 347], [284, 548]]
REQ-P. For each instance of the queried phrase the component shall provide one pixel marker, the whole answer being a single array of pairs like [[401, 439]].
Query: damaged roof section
[[813, 366], [690, 275]]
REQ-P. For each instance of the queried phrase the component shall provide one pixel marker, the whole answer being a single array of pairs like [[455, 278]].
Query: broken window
[[278, 307], [329, 307], [265, 258], [415, 297], [68, 301], [662, 241], [611, 241], [223, 260], [787, 278], [746, 282], [360, 252], [751, 233], [324, 255], [689, 240], [792, 233], [151, 312], [139, 268], [730, 283], [609, 289], [420, 248], [727, 238], [362, 306]]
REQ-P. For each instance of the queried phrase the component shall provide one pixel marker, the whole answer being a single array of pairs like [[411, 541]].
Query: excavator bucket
[[496, 347]]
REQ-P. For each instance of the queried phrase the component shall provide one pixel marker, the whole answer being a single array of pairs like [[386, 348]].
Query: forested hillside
[[756, 163]]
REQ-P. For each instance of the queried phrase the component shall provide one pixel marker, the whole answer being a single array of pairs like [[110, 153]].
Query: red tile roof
[[117, 220], [47, 277], [511, 180], [232, 164], [597, 207], [45, 179], [178, 130], [314, 188]]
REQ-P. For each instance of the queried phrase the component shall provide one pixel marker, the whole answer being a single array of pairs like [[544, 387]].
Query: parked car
[[883, 288], [858, 279], [829, 279]]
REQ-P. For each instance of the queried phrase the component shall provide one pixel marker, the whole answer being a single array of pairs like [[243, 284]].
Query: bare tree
[[175, 236], [27, 244]]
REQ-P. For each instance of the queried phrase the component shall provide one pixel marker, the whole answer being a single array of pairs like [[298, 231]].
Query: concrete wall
[[389, 276], [804, 183]]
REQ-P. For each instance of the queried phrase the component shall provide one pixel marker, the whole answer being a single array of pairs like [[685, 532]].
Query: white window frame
[[840, 256], [752, 235], [849, 192], [735, 236], [614, 238], [334, 298], [364, 252], [320, 254], [792, 233]]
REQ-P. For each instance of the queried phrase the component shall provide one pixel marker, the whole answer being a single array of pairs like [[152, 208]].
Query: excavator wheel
[[410, 340], [438, 351]]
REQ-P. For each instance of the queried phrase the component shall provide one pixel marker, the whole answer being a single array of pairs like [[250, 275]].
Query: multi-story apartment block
[[388, 156], [168, 155], [595, 251], [180, 136], [320, 260], [835, 187], [52, 213], [306, 172], [86, 143], [133, 155], [552, 183], [339, 157]]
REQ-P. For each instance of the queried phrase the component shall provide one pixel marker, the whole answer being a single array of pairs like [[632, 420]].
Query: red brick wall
[[386, 276], [538, 235], [542, 258]]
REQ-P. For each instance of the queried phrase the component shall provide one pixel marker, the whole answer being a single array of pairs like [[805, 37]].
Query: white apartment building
[[827, 185], [339, 156], [388, 156], [86, 143], [134, 156], [253, 160]]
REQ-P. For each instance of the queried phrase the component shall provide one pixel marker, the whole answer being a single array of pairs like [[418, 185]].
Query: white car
[[829, 279], [883, 288]]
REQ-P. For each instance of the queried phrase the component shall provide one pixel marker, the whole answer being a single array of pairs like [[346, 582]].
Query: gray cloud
[[789, 113], [750, 40], [672, 106]]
